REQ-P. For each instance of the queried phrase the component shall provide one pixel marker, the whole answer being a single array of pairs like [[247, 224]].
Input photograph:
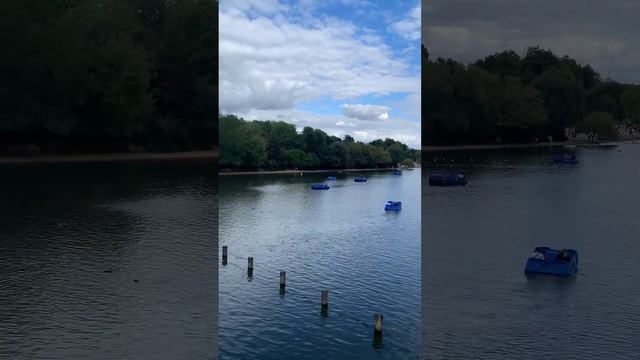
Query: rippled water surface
[[340, 239], [108, 261], [477, 302]]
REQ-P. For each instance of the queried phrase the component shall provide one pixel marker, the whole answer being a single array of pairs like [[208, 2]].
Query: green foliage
[[516, 99], [275, 145], [607, 97], [94, 75], [631, 101], [564, 98], [407, 163], [242, 145], [601, 124], [504, 63]]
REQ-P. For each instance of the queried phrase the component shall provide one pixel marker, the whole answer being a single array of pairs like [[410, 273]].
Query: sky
[[602, 33], [348, 67]]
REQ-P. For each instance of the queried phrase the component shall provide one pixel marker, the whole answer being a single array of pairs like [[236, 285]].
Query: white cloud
[[410, 27], [260, 6], [273, 62], [366, 112]]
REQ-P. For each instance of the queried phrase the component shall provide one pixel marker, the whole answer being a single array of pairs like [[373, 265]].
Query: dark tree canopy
[[518, 99], [91, 75]]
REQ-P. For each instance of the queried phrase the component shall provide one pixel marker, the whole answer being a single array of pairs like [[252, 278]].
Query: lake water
[[340, 239], [477, 303], [108, 261]]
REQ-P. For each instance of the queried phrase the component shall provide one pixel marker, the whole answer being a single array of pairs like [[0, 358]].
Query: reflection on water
[[108, 261], [476, 300], [339, 239]]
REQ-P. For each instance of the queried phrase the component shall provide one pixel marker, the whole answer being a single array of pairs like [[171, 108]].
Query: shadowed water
[[340, 239], [108, 261], [477, 303]]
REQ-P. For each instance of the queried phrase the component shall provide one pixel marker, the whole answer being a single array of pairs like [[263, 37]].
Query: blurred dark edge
[[423, 209], [48, 115]]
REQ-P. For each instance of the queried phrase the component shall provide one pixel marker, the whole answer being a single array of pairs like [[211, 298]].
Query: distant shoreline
[[277, 172], [111, 157], [430, 148]]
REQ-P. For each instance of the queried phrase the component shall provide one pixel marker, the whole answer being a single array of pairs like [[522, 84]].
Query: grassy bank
[[187, 155], [512, 146], [276, 172]]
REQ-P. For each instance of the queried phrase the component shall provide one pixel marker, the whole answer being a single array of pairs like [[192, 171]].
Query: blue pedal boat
[[564, 159], [320, 187], [331, 178], [397, 172], [447, 180], [360, 179], [553, 262], [393, 206]]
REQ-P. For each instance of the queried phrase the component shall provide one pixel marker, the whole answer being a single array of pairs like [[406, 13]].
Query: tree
[[513, 98], [377, 156], [601, 124], [276, 145], [607, 97], [631, 101], [564, 98], [116, 69], [293, 158], [337, 155], [242, 145], [93, 75], [537, 62], [185, 81], [503, 63], [407, 163]]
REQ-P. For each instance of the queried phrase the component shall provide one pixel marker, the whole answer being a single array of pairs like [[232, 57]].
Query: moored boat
[[320, 186], [553, 262], [393, 206], [564, 159], [447, 180], [360, 179]]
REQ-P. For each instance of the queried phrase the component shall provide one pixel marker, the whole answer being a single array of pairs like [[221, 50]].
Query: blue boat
[[553, 262], [331, 178], [319, 187], [447, 180], [393, 206], [565, 159], [397, 172], [360, 179]]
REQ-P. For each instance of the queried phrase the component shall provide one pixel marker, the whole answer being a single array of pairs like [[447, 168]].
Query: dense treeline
[[276, 145], [117, 75], [509, 98]]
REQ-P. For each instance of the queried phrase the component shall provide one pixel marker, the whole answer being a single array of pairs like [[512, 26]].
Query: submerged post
[[324, 298], [224, 255], [377, 323], [283, 279]]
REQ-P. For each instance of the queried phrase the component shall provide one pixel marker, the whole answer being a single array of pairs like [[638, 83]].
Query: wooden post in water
[[377, 323], [283, 282], [250, 267], [324, 298], [224, 255]]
